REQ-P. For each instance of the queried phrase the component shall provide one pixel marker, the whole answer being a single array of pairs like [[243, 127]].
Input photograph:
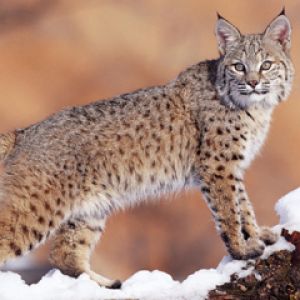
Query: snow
[[150, 285], [288, 209]]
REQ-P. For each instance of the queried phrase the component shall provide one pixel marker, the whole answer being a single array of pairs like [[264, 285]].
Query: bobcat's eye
[[239, 67], [266, 65]]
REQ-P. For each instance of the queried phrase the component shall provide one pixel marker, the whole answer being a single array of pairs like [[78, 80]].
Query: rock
[[279, 277]]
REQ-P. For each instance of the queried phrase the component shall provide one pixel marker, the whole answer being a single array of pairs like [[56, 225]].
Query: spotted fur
[[65, 175]]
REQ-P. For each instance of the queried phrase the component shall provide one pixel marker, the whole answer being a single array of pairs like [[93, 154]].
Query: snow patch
[[281, 244], [147, 285], [288, 209]]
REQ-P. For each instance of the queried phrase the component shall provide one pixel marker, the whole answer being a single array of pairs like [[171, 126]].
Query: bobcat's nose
[[253, 83]]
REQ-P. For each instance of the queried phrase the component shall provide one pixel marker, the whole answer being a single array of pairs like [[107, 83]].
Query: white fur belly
[[99, 205]]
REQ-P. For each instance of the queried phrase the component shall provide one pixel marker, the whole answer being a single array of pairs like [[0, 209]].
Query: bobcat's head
[[254, 68]]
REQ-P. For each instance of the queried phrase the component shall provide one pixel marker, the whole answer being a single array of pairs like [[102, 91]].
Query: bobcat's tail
[[7, 143]]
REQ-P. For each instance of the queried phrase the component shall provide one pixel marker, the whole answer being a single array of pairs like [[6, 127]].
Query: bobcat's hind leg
[[24, 224], [72, 246]]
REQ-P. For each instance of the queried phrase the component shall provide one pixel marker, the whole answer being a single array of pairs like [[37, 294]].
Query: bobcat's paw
[[117, 284], [268, 236], [105, 282], [253, 248]]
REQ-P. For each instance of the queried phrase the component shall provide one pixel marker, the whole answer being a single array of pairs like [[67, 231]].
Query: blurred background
[[55, 54]]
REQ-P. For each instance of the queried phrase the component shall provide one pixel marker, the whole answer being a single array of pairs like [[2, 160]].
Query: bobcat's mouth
[[254, 92]]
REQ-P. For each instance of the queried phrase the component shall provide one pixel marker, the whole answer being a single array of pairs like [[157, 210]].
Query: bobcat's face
[[254, 68]]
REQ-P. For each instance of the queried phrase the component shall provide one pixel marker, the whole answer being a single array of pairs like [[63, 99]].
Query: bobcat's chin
[[255, 97], [268, 99]]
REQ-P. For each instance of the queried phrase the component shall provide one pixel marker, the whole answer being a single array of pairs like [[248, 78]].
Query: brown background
[[55, 54]]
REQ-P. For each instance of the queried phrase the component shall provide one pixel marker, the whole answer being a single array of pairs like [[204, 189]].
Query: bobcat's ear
[[226, 34], [279, 31]]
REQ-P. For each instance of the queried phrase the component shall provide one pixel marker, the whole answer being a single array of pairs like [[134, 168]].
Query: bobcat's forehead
[[249, 46], [252, 50]]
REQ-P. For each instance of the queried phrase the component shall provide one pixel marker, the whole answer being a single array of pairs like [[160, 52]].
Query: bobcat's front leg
[[250, 228], [221, 189]]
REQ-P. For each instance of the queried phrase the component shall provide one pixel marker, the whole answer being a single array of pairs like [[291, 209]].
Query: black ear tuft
[[219, 16], [282, 13], [222, 18]]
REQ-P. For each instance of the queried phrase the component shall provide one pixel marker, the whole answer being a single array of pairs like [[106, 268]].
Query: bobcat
[[65, 175]]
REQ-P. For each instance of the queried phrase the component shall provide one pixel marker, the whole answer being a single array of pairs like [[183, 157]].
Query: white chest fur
[[257, 128]]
